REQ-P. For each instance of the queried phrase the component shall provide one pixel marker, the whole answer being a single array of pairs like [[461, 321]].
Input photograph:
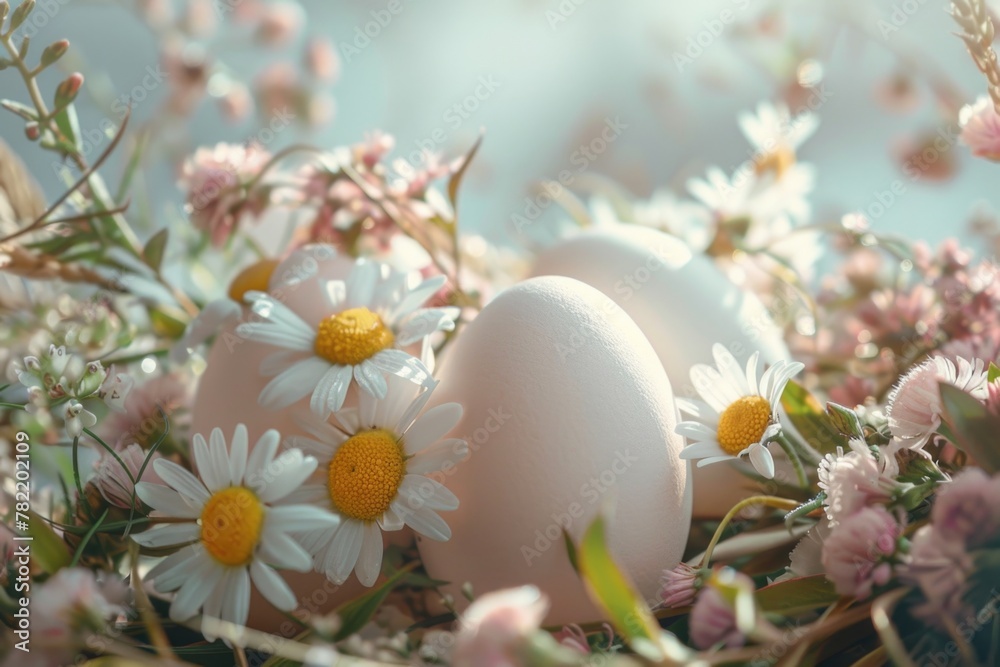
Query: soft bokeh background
[[562, 67]]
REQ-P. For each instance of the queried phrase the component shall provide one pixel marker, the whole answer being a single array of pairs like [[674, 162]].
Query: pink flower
[[941, 567], [496, 627], [713, 619], [857, 554], [73, 601], [279, 23], [141, 422], [215, 180], [967, 509], [915, 409], [112, 481], [680, 586], [981, 128], [855, 480], [572, 636], [322, 60]]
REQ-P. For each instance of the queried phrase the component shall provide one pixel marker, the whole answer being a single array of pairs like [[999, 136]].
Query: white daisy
[[739, 415], [373, 314], [235, 532], [378, 458], [773, 129]]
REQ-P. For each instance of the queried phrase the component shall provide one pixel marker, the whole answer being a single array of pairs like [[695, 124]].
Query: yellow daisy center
[[743, 423], [778, 160], [254, 278], [231, 523], [365, 474], [350, 337]]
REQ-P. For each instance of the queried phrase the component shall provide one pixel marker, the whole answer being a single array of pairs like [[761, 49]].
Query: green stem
[[769, 501], [793, 456], [86, 539]]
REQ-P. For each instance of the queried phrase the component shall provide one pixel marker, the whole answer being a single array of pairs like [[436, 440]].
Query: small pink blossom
[[279, 23], [940, 567], [981, 128], [142, 422], [855, 479], [713, 619], [967, 510], [215, 180], [73, 601], [322, 60], [680, 586], [857, 554], [497, 626], [915, 408], [112, 480], [572, 636]]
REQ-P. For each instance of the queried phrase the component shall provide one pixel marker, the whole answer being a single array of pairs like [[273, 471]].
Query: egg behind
[[566, 407], [683, 304]]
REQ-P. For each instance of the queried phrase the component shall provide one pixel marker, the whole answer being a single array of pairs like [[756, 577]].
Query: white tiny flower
[[77, 418]]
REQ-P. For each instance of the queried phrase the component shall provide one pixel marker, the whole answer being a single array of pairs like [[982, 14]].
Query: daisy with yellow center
[[374, 314], [231, 532], [376, 459], [738, 415]]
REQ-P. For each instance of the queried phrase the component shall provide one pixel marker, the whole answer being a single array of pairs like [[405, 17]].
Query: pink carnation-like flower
[[141, 422], [981, 128], [73, 601], [112, 480], [967, 510], [215, 180], [915, 409], [680, 586], [495, 628], [713, 619], [857, 554], [940, 567], [855, 479]]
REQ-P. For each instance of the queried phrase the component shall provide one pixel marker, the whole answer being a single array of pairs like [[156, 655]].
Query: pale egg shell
[[683, 304], [565, 408], [227, 395]]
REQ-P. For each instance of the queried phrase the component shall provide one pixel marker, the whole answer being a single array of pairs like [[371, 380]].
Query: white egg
[[683, 304], [566, 408]]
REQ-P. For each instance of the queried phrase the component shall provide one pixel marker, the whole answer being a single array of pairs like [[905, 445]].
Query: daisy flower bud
[[859, 552]]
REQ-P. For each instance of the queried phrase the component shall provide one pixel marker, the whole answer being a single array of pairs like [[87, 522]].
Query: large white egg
[[566, 407], [683, 304]]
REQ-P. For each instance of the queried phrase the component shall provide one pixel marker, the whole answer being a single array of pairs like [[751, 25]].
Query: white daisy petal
[[330, 391], [336, 294], [195, 591], [695, 431], [370, 557], [433, 458], [163, 573], [370, 379], [220, 459], [361, 284], [262, 455], [425, 322], [428, 492], [761, 459], [401, 364], [272, 586], [181, 480], [167, 535], [431, 426], [166, 501], [278, 361], [203, 461], [752, 363], [730, 369], [282, 551], [426, 522], [702, 449], [293, 383], [418, 295], [302, 518], [292, 470], [391, 521], [238, 454], [236, 605], [714, 459], [342, 555]]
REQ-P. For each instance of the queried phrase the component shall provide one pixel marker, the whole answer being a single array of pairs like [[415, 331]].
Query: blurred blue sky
[[555, 81]]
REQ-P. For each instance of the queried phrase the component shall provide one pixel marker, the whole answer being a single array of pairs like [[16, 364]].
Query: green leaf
[[20, 14], [809, 419], [47, 549], [993, 372], [155, 249], [796, 596], [456, 179], [845, 420], [571, 551], [356, 613], [611, 589], [972, 428], [22, 110], [69, 128]]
